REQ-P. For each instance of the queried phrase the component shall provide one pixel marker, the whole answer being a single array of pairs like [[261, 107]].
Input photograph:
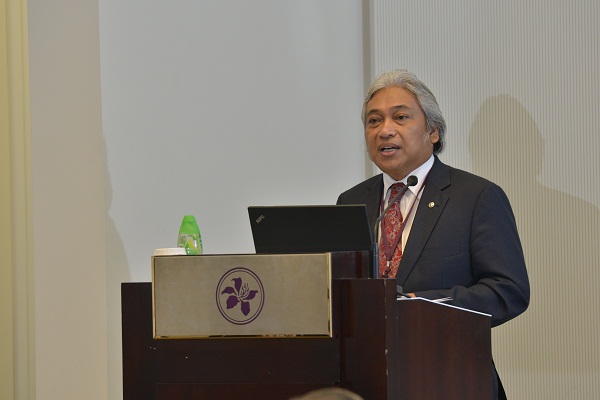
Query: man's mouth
[[388, 148]]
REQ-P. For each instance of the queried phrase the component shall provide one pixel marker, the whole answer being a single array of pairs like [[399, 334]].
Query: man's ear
[[434, 136]]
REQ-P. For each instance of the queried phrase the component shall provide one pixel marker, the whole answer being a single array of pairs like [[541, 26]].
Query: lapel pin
[[431, 204]]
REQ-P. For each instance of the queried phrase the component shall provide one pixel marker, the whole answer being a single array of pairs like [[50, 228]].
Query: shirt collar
[[421, 173]]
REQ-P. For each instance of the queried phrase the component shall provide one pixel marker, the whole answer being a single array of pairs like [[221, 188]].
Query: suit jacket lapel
[[430, 208], [373, 201]]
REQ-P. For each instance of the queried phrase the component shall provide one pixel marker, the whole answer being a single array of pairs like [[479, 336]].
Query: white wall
[[209, 107]]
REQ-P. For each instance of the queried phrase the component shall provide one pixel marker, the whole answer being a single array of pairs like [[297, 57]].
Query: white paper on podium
[[442, 301]]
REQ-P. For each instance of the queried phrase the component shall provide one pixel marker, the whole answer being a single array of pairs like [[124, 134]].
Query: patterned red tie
[[392, 224]]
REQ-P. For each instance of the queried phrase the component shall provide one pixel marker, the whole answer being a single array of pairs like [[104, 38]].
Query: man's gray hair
[[409, 81], [331, 393]]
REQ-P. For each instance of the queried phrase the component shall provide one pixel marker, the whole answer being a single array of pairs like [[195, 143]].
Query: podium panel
[[441, 359], [241, 295]]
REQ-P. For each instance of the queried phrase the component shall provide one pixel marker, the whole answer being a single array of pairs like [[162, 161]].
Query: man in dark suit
[[457, 233]]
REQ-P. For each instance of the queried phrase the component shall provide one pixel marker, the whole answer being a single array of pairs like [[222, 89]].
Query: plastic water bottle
[[189, 236]]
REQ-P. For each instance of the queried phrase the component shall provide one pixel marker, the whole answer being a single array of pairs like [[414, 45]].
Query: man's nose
[[387, 129]]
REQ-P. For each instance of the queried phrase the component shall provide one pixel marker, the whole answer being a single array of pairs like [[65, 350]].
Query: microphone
[[410, 181]]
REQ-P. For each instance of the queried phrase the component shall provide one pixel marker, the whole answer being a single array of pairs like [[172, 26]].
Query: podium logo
[[240, 296]]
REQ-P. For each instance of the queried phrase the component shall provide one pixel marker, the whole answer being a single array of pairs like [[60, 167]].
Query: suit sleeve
[[499, 284]]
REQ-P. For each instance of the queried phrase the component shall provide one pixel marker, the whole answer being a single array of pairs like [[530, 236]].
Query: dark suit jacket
[[463, 243]]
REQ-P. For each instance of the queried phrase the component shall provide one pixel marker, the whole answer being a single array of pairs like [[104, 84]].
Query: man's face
[[396, 132]]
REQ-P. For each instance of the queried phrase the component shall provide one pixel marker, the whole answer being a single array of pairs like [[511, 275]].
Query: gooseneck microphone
[[410, 181]]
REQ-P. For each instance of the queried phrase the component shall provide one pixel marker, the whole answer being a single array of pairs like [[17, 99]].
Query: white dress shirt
[[412, 195]]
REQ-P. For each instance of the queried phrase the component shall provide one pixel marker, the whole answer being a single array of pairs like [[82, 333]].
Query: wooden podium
[[382, 348]]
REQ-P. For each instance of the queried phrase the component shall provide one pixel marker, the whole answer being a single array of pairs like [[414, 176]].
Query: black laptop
[[309, 229]]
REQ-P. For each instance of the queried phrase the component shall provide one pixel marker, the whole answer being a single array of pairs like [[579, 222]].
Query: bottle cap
[[171, 251], [189, 225]]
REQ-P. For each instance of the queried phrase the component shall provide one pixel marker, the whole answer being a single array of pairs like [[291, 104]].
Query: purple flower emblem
[[242, 292], [239, 293]]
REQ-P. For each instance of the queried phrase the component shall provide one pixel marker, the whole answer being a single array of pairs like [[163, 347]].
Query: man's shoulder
[[363, 189], [457, 176]]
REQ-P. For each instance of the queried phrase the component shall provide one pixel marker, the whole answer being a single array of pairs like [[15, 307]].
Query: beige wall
[[17, 370], [6, 273], [67, 167], [518, 83]]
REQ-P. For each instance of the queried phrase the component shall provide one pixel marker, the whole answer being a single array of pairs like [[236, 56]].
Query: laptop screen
[[309, 229]]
